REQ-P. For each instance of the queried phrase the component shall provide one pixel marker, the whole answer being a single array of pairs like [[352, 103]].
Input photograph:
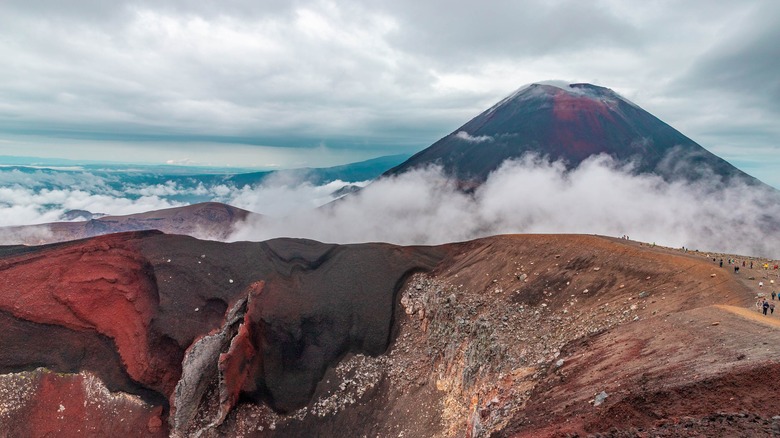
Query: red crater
[[103, 286]]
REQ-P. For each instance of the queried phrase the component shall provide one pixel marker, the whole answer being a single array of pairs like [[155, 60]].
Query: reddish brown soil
[[685, 362], [73, 405], [504, 336]]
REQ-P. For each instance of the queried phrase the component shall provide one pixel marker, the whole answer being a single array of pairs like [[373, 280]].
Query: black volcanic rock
[[569, 124]]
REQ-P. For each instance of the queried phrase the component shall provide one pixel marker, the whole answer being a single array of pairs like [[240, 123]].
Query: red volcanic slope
[[575, 116], [100, 286]]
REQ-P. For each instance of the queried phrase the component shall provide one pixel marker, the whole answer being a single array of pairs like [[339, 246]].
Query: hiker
[[721, 263], [772, 308], [751, 264], [773, 295], [736, 269], [743, 263], [765, 306]]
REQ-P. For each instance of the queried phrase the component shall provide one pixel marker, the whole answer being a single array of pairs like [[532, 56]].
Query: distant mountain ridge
[[208, 220], [352, 172], [177, 184], [570, 124]]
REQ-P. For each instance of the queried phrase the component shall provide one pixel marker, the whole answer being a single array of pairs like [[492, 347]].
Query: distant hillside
[[208, 220]]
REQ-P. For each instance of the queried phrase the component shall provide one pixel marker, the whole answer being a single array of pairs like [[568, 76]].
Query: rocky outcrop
[[192, 326]]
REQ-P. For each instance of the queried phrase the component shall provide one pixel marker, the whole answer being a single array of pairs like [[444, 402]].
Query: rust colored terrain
[[147, 334]]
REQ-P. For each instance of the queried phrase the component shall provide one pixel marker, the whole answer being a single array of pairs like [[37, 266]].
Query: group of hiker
[[763, 305], [766, 266], [766, 305]]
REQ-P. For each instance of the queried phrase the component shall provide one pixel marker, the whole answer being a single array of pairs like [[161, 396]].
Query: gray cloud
[[745, 60], [373, 75], [737, 91], [463, 30]]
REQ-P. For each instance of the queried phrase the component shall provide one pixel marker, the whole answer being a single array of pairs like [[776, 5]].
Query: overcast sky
[[294, 83]]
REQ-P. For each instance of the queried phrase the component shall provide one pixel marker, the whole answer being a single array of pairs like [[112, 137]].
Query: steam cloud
[[285, 195], [535, 196]]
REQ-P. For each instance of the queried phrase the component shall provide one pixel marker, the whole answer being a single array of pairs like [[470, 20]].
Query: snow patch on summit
[[542, 88]]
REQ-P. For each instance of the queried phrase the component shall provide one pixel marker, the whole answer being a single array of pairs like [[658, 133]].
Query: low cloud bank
[[530, 195], [535, 196], [25, 206]]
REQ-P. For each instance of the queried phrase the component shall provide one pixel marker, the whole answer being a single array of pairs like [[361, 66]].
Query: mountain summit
[[570, 123]]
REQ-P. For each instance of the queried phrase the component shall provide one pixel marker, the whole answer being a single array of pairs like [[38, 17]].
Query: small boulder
[[600, 398]]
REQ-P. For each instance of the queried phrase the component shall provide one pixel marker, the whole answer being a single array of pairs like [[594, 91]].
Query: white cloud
[[463, 135], [284, 195], [169, 188], [534, 196], [34, 196], [27, 206]]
